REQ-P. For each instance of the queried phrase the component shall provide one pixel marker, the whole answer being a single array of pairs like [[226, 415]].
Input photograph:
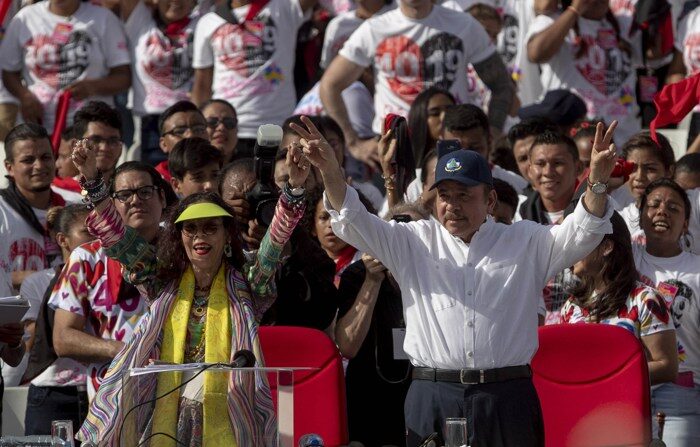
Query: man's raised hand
[[317, 150]]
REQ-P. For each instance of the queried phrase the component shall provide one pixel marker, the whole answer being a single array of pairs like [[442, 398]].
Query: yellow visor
[[202, 210]]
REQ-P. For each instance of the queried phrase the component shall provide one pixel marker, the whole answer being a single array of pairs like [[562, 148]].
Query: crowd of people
[[446, 177]]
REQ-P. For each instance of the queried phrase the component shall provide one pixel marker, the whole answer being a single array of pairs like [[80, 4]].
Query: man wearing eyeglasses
[[181, 120], [99, 126]]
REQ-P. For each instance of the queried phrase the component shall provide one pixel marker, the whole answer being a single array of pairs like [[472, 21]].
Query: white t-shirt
[[338, 31], [604, 77], [517, 16], [64, 371], [21, 246], [5, 96], [33, 289], [358, 102], [688, 43], [412, 55], [630, 214], [54, 52], [678, 281], [253, 68], [162, 66]]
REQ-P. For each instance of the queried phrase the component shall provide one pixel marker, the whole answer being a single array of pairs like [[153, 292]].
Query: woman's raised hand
[[317, 150], [84, 159], [298, 165]]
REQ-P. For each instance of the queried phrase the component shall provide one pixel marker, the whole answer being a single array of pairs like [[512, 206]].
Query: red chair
[[319, 395], [593, 384]]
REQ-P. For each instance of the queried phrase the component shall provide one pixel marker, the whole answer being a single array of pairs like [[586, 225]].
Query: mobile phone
[[447, 146], [401, 218]]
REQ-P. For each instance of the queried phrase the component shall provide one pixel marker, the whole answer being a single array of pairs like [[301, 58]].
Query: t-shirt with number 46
[[411, 55], [54, 52]]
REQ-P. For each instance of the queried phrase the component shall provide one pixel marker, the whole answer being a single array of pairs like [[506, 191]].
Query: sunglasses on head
[[228, 122]]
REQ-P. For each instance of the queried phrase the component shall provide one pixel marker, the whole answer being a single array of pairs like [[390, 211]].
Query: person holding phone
[[470, 288]]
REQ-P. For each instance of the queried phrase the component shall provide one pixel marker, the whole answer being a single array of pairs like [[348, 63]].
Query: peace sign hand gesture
[[317, 150], [603, 154]]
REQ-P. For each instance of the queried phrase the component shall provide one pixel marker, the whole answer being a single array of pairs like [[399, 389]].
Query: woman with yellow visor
[[205, 302]]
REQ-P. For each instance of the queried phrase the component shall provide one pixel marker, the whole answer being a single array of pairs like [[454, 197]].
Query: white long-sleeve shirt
[[470, 305]]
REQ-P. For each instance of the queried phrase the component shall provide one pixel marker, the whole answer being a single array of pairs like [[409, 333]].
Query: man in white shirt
[[411, 48], [470, 289]]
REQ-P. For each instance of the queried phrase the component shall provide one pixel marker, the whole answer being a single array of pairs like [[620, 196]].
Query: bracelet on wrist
[[293, 194], [389, 181], [95, 193]]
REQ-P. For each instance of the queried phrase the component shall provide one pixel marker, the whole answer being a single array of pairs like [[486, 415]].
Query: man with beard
[[24, 243]]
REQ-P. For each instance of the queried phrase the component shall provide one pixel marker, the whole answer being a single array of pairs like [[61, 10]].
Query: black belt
[[472, 376]]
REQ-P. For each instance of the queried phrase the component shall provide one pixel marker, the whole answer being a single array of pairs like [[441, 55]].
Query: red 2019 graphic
[[410, 68]]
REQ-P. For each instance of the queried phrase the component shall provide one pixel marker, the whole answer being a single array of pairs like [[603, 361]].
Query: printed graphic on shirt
[[246, 48], [26, 254], [678, 297], [411, 68], [168, 61], [59, 59], [691, 53], [605, 66], [508, 41]]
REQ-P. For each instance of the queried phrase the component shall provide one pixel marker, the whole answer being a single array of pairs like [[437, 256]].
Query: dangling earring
[[228, 251], [687, 241]]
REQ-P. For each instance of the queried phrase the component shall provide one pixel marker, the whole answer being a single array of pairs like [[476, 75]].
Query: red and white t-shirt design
[[411, 68], [60, 58], [688, 43], [85, 289], [168, 60], [605, 66], [245, 48]]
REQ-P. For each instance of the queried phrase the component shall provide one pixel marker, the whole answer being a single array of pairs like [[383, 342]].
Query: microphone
[[243, 359]]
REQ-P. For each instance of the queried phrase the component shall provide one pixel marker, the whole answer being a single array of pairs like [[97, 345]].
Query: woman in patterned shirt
[[206, 300], [609, 292]]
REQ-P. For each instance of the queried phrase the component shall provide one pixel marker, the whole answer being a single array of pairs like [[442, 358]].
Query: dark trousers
[[498, 414], [51, 403]]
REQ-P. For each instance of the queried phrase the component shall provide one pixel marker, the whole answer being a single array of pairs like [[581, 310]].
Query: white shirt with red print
[[604, 76], [84, 289], [162, 65], [677, 279], [688, 43], [411, 55], [253, 61], [21, 246], [54, 52]]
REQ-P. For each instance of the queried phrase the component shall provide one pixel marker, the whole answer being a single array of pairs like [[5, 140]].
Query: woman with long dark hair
[[425, 119], [205, 302], [608, 291]]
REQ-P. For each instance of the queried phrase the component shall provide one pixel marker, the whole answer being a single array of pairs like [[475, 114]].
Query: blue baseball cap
[[464, 166]]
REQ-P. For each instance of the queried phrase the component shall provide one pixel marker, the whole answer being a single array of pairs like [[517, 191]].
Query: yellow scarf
[[217, 425]]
